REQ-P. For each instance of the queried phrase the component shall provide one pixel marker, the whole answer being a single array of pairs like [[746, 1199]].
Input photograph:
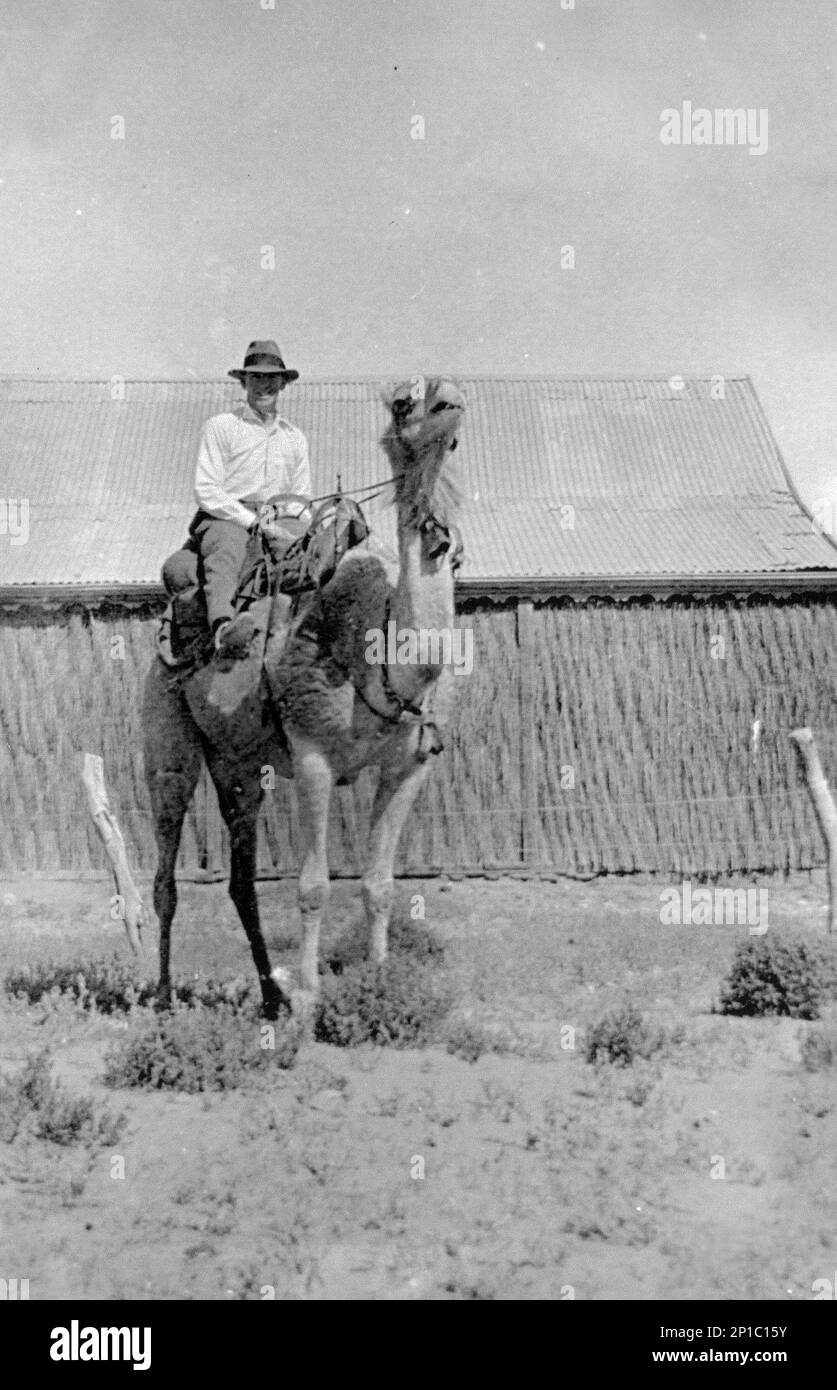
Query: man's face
[[262, 391]]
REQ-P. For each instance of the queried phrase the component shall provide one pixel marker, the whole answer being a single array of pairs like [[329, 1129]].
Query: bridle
[[440, 538], [440, 541]]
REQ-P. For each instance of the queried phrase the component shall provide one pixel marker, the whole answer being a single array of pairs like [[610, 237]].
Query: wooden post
[[826, 812], [529, 838], [93, 777]]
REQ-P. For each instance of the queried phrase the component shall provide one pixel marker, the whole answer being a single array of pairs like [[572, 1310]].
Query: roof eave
[[655, 586], [489, 586]]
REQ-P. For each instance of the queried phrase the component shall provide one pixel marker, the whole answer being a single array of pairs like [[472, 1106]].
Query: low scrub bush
[[621, 1036], [33, 1102], [202, 1048], [111, 987], [400, 1003], [470, 1040], [104, 986], [819, 1047], [777, 975], [405, 938]]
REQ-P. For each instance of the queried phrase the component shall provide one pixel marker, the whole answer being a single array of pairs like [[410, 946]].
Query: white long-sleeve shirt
[[241, 455]]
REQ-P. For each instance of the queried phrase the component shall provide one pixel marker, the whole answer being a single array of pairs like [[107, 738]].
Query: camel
[[315, 707]]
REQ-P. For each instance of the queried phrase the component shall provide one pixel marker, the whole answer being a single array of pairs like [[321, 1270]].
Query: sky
[[266, 182]]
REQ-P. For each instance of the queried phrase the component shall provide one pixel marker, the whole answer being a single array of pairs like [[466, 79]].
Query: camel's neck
[[424, 592], [422, 604]]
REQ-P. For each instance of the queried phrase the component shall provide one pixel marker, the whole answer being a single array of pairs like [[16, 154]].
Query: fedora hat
[[263, 356]]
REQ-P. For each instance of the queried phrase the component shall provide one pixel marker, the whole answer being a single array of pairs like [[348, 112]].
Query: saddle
[[295, 567]]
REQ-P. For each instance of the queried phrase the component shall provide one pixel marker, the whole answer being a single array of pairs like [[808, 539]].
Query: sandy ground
[[379, 1174]]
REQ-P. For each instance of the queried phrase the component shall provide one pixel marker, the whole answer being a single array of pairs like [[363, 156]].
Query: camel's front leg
[[397, 790], [313, 778]]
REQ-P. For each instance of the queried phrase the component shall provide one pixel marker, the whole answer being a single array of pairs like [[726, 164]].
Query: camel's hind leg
[[239, 794], [397, 790], [173, 757]]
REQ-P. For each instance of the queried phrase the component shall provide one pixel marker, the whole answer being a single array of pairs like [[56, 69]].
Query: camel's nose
[[447, 396]]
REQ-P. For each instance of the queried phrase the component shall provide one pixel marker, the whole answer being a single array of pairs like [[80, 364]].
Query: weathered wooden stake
[[93, 777], [528, 731], [826, 812]]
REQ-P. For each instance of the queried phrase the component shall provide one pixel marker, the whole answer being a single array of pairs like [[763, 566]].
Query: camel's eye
[[403, 406], [440, 405]]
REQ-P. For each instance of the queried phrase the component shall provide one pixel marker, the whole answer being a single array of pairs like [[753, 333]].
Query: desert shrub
[[468, 1039], [819, 1048], [34, 1102], [400, 1003], [405, 938], [111, 987], [105, 986], [201, 1048], [409, 938], [621, 1036], [776, 975]]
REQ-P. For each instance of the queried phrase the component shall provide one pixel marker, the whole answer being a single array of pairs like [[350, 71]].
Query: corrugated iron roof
[[563, 477]]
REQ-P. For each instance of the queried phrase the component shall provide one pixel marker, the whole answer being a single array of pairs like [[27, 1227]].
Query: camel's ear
[[412, 390], [400, 400]]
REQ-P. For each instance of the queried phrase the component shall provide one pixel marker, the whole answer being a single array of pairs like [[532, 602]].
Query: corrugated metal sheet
[[562, 477]]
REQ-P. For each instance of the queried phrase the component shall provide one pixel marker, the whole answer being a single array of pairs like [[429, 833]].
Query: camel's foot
[[304, 1008], [302, 1001], [162, 999], [276, 994]]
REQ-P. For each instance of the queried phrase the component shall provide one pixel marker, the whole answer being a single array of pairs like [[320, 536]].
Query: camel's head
[[426, 415]]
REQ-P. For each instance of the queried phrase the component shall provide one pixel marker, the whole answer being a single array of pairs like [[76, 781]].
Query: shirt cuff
[[229, 511]]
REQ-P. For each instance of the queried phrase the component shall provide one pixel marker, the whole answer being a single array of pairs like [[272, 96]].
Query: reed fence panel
[[589, 737]]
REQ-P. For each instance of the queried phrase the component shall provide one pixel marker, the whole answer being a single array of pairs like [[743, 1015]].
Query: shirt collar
[[246, 413]]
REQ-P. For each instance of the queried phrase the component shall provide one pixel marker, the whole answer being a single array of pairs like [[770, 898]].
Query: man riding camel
[[246, 456]]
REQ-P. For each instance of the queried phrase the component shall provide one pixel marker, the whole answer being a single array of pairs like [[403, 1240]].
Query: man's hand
[[272, 531]]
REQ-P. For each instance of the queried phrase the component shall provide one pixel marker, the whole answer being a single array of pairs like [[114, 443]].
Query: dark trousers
[[223, 547]]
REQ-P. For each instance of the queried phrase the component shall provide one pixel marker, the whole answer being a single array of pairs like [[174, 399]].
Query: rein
[[373, 490]]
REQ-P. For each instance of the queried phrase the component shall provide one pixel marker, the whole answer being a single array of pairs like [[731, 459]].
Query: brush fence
[[590, 737]]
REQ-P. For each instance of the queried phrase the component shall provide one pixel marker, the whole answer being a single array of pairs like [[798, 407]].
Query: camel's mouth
[[405, 406], [435, 416]]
